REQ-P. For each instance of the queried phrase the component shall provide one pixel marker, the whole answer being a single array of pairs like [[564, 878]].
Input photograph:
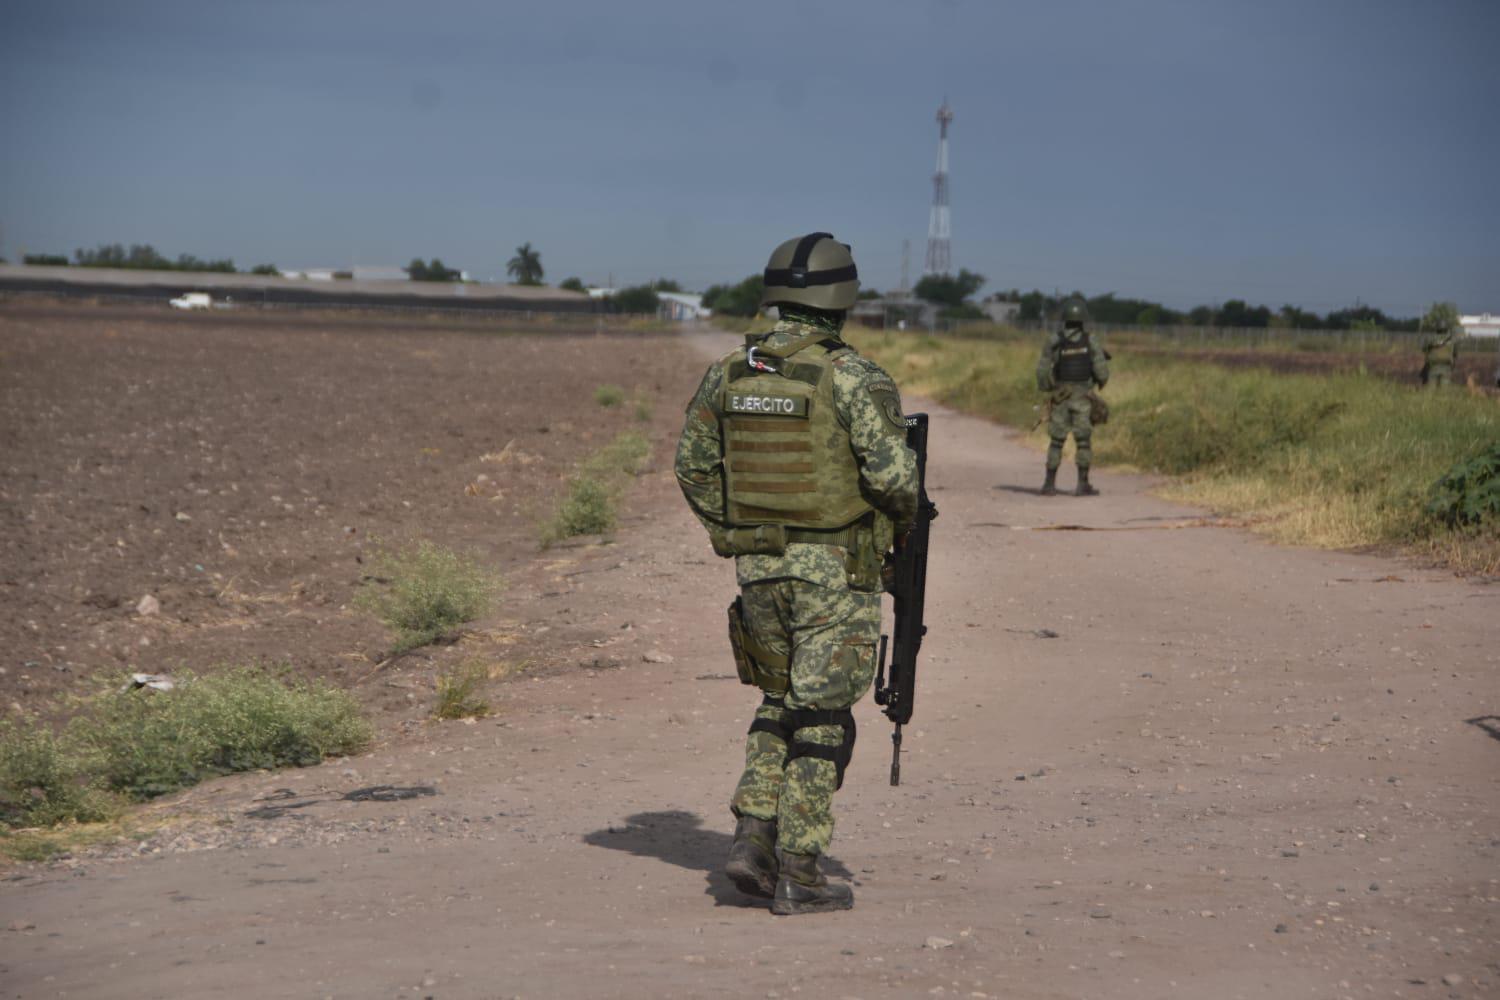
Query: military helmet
[[814, 270], [1440, 318], [1075, 310]]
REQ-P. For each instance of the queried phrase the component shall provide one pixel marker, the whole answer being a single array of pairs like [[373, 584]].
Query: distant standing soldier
[[794, 457], [1072, 364], [1441, 331]]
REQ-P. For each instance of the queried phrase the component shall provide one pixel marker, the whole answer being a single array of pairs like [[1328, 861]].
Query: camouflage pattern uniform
[[801, 603], [1070, 403], [1439, 354], [1441, 329]]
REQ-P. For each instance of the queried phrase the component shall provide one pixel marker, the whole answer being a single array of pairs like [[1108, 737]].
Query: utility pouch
[[761, 540], [1098, 409], [742, 664], [863, 562], [754, 663]]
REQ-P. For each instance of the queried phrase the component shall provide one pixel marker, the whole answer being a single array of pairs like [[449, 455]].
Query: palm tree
[[526, 265]]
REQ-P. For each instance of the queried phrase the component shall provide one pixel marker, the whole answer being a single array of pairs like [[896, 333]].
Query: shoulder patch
[[888, 402]]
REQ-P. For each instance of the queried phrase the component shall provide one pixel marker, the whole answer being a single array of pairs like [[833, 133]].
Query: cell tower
[[939, 260]]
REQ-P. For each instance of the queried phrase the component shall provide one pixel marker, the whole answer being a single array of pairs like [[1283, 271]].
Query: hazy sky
[[1304, 151]]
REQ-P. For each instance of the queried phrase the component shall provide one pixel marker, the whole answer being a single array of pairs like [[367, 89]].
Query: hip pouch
[[873, 537], [760, 540], [754, 663], [1098, 409]]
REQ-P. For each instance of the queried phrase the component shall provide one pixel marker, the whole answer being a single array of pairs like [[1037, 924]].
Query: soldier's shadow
[[678, 838]]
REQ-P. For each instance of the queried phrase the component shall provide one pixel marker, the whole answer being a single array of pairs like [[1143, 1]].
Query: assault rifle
[[908, 586]]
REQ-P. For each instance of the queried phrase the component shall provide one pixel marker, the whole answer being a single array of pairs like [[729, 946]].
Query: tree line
[[1110, 308]]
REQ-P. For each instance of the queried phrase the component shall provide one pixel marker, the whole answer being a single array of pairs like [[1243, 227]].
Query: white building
[[681, 306], [1482, 325]]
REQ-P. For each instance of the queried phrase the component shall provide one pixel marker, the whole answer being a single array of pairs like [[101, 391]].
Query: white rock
[[148, 606], [657, 656], [938, 944]]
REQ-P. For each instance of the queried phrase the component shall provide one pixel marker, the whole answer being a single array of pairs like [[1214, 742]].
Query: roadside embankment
[[1335, 461]]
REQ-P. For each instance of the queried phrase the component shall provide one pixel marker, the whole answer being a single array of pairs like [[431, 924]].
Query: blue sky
[[1312, 152]]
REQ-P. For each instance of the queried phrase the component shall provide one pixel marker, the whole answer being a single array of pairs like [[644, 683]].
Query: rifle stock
[[908, 589]]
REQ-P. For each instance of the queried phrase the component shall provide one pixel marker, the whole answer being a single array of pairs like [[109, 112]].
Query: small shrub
[[588, 509], [432, 590], [609, 395], [643, 409], [146, 744], [1468, 494], [459, 693], [44, 780]]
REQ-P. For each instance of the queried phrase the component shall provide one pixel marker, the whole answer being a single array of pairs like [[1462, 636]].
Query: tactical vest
[[787, 459], [1075, 361], [1443, 351]]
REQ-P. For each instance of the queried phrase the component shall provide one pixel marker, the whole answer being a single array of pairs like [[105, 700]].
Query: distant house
[[897, 311], [1481, 325], [357, 273], [1001, 310], [382, 273], [681, 306]]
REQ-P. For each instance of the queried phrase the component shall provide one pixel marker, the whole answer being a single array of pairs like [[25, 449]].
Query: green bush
[[1468, 494], [432, 590], [146, 743], [609, 395], [459, 692], [588, 509], [140, 743], [589, 506], [44, 780]]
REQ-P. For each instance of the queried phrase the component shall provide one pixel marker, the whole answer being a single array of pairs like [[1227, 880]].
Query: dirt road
[[1236, 771]]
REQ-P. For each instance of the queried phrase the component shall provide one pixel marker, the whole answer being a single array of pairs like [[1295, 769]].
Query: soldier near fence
[[1440, 335], [1073, 366], [793, 456]]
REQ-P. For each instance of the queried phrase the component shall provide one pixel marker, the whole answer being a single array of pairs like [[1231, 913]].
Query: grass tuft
[[588, 508], [460, 694], [138, 744], [147, 744], [609, 395], [432, 591]]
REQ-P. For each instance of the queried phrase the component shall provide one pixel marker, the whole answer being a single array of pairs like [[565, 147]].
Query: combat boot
[[1049, 488], [1084, 489], [804, 889], [752, 863]]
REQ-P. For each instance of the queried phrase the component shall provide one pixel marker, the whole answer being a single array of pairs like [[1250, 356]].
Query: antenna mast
[[939, 254]]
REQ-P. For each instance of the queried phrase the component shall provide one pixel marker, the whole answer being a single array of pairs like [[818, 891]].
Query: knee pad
[[840, 755]]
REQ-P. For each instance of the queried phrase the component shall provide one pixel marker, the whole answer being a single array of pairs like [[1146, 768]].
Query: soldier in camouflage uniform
[[1440, 335], [794, 457], [1071, 365]]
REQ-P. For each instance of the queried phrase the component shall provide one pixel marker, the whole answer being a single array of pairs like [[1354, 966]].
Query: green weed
[[459, 692], [609, 395], [432, 590], [147, 744], [138, 744], [588, 508], [45, 780]]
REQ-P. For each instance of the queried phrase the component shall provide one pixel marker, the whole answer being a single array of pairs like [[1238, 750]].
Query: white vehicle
[[193, 300]]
